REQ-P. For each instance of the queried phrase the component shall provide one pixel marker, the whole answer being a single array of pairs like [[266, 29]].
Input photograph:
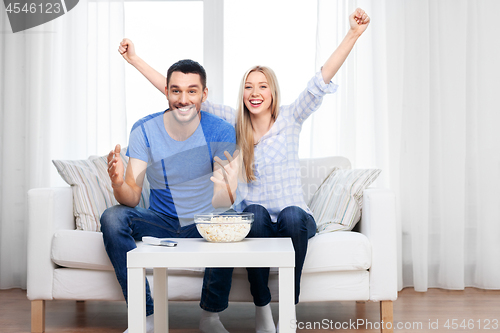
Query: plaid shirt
[[276, 158]]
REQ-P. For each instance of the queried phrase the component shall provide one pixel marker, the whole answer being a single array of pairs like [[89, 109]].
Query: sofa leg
[[386, 316], [38, 316]]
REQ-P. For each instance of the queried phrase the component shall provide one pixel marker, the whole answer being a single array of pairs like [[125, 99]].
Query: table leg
[[161, 299], [287, 299], [136, 300]]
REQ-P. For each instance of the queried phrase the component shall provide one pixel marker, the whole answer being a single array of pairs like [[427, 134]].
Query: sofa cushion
[[337, 203], [92, 191], [313, 172], [80, 249], [85, 249], [338, 251]]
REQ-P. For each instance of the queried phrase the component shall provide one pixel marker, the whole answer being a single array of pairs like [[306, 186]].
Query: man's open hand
[[115, 167]]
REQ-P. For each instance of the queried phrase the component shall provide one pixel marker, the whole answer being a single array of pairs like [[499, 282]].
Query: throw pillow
[[92, 191], [337, 203]]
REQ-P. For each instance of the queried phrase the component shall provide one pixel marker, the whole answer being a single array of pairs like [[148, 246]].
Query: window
[[162, 34], [280, 34]]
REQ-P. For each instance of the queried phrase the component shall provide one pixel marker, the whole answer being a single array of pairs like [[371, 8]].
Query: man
[[176, 150]]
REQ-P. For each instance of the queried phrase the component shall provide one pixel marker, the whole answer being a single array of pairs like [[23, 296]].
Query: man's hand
[[359, 21], [231, 170], [127, 50], [115, 167]]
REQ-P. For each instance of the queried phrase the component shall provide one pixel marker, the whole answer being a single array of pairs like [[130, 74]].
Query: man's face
[[185, 94]]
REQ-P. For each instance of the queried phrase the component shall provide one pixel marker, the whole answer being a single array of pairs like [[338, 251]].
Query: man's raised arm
[[127, 50]]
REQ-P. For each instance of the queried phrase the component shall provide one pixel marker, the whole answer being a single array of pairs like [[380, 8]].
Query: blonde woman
[[268, 136]]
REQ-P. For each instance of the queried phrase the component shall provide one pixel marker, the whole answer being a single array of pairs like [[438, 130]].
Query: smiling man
[[176, 150]]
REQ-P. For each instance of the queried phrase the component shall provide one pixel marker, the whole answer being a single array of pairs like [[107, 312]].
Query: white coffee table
[[196, 252]]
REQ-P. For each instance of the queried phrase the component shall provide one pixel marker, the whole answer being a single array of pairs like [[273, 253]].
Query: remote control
[[159, 241]]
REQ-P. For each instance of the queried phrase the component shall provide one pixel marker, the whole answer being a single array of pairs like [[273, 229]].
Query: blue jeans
[[292, 222], [121, 226]]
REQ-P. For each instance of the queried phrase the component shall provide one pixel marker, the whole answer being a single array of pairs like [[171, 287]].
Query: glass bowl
[[224, 228]]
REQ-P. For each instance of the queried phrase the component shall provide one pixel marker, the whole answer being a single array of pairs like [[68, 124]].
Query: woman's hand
[[227, 179], [359, 21], [127, 50]]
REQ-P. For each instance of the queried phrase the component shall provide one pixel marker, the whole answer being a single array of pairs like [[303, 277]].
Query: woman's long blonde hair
[[244, 128]]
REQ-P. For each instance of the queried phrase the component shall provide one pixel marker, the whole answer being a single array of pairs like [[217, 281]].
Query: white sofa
[[69, 264]]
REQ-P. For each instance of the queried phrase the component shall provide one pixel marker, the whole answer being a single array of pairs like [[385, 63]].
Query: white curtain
[[61, 97], [418, 98]]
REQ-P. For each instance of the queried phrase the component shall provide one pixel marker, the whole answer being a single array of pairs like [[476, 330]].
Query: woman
[[268, 136]]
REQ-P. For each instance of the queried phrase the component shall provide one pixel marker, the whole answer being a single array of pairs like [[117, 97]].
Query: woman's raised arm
[[358, 21], [127, 50]]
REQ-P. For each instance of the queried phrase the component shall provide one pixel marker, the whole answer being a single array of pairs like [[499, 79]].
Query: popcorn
[[222, 229]]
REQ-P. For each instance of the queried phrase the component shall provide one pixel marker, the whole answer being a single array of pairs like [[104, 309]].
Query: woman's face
[[257, 94]]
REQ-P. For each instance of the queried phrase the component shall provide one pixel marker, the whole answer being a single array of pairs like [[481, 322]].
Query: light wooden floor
[[416, 311]]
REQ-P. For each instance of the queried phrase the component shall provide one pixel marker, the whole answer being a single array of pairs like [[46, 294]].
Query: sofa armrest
[[378, 223], [49, 209]]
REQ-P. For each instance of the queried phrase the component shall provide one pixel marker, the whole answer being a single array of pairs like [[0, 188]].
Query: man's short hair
[[188, 66]]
